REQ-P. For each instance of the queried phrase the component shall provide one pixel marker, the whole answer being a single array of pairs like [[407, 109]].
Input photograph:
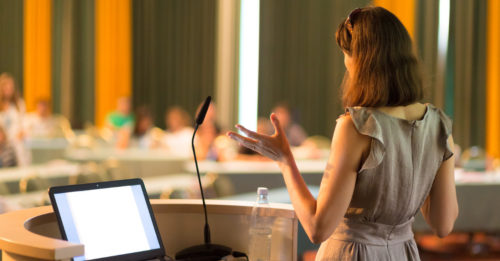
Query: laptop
[[113, 220]]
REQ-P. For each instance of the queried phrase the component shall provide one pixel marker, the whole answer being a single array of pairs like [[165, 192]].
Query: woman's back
[[408, 146]]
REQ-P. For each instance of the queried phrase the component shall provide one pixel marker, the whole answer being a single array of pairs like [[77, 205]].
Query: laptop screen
[[111, 219]]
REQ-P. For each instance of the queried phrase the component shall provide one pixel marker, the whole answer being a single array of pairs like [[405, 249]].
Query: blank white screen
[[108, 221]]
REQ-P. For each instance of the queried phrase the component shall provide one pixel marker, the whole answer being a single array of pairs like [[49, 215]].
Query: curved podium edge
[[16, 238], [215, 206]]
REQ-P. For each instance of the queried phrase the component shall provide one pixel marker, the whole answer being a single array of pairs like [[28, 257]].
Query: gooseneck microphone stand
[[206, 251]]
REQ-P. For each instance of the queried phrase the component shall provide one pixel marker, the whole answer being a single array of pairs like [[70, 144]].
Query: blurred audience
[[141, 135], [207, 134], [121, 117], [145, 135], [294, 132], [121, 122], [7, 154], [42, 123], [12, 110], [178, 134]]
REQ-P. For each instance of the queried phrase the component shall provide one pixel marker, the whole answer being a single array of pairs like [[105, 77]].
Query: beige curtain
[[73, 60], [458, 84], [173, 54], [300, 62], [426, 45], [11, 39], [469, 88]]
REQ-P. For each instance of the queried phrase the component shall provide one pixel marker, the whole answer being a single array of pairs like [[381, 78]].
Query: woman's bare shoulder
[[415, 111], [346, 129]]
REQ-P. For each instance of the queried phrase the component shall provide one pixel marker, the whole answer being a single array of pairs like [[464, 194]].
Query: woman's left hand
[[275, 147]]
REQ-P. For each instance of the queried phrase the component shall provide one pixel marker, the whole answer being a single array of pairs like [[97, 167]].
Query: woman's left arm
[[320, 216]]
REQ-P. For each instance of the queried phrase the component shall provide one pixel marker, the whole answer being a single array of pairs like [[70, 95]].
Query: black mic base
[[205, 252]]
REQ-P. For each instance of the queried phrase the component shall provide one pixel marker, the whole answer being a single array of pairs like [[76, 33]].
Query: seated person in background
[[121, 117], [41, 123], [294, 132], [207, 134], [142, 136], [7, 153], [12, 112], [314, 147], [121, 122], [178, 134]]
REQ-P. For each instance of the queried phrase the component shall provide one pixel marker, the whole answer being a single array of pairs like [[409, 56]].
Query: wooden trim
[[37, 51], [493, 79]]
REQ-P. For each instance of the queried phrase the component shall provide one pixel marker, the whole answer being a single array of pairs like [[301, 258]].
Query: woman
[[12, 110], [390, 155]]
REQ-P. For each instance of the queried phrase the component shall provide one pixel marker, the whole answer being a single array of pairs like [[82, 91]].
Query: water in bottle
[[260, 228]]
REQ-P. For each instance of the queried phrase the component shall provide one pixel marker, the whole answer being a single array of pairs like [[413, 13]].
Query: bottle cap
[[262, 191]]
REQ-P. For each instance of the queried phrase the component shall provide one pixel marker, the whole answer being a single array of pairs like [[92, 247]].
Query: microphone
[[207, 251], [203, 111]]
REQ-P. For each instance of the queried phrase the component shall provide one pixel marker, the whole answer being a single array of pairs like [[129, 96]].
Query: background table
[[131, 162], [246, 176], [55, 173], [45, 150]]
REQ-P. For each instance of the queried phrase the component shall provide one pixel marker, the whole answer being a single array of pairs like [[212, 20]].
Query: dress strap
[[446, 131]]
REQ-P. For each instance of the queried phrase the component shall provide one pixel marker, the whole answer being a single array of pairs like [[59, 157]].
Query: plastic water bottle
[[261, 228]]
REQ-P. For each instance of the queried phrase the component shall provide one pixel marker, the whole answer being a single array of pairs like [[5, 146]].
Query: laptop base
[[206, 252]]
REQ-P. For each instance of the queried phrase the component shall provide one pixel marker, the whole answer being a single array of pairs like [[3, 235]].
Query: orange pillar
[[112, 55], [37, 51], [493, 79], [404, 10]]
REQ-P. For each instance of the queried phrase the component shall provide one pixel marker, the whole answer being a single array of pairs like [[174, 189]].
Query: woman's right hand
[[275, 147]]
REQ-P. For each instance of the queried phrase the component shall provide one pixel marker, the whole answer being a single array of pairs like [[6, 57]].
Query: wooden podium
[[33, 234]]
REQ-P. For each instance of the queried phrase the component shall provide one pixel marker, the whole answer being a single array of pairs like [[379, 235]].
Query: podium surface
[[33, 234]]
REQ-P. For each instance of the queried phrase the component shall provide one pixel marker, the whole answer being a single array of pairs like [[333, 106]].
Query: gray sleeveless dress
[[391, 185]]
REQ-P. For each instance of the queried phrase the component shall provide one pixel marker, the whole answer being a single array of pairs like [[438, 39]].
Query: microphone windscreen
[[203, 111]]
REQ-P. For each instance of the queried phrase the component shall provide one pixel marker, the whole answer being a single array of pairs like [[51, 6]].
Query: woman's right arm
[[440, 209]]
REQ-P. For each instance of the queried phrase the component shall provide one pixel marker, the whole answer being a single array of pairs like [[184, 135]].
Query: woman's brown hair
[[385, 70], [4, 77]]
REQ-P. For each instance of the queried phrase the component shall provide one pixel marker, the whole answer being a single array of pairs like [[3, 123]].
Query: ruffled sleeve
[[446, 131], [367, 124]]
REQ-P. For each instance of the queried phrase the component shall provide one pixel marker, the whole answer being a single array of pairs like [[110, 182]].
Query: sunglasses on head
[[350, 19]]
